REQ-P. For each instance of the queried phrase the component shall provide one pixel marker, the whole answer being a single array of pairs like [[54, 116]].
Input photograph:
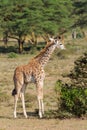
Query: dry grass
[[59, 65]]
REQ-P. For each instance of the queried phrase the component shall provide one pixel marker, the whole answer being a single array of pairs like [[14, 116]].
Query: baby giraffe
[[34, 72]]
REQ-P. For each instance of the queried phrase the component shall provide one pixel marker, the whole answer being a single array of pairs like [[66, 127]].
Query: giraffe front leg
[[40, 99], [39, 104], [42, 104], [41, 107]]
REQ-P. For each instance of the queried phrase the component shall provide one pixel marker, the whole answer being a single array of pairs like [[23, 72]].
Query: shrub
[[78, 75], [12, 55], [72, 99]]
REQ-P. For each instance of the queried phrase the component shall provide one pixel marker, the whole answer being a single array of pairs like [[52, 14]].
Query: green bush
[[78, 75], [12, 55], [72, 99]]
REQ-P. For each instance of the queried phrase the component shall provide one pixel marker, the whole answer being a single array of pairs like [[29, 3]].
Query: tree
[[38, 17], [57, 15], [80, 13], [14, 22]]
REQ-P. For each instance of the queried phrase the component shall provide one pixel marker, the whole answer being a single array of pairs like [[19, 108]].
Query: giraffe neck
[[45, 54]]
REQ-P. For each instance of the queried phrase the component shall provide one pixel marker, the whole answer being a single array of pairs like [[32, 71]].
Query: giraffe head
[[57, 42]]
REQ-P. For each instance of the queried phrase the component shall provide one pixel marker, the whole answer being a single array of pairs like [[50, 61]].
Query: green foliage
[[79, 74], [80, 12], [12, 55], [58, 86], [72, 99], [21, 18], [41, 16], [79, 32]]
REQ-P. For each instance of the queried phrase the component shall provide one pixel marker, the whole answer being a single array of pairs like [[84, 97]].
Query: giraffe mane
[[43, 50]]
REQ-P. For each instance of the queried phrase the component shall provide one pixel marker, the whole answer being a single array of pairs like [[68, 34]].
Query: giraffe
[[33, 72]]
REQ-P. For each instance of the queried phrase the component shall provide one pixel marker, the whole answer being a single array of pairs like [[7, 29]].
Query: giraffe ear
[[51, 39], [59, 37]]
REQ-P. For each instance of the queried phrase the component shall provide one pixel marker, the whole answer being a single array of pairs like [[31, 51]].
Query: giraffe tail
[[14, 92]]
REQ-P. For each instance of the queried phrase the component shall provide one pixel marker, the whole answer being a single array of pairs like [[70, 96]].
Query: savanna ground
[[58, 67]]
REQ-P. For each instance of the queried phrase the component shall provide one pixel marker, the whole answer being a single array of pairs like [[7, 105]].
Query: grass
[[52, 114], [12, 55], [58, 67], [4, 98]]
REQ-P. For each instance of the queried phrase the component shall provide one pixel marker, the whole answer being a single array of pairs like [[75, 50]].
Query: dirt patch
[[42, 124]]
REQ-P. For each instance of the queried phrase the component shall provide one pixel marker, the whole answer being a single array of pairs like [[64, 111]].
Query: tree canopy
[[20, 18], [80, 13], [39, 16]]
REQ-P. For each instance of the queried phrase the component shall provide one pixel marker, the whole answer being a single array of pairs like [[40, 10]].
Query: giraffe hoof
[[40, 116], [15, 117], [26, 116]]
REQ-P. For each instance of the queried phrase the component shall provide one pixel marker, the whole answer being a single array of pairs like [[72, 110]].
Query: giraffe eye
[[55, 40]]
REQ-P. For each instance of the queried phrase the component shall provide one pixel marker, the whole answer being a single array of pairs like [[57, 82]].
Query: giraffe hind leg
[[15, 105], [16, 94], [40, 98], [23, 104], [23, 99]]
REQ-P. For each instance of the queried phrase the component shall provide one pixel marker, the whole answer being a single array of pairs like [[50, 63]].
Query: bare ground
[[43, 124], [54, 71], [7, 122]]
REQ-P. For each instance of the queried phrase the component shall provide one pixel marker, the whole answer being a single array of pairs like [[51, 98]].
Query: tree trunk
[[5, 39], [34, 38], [21, 41], [20, 47]]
